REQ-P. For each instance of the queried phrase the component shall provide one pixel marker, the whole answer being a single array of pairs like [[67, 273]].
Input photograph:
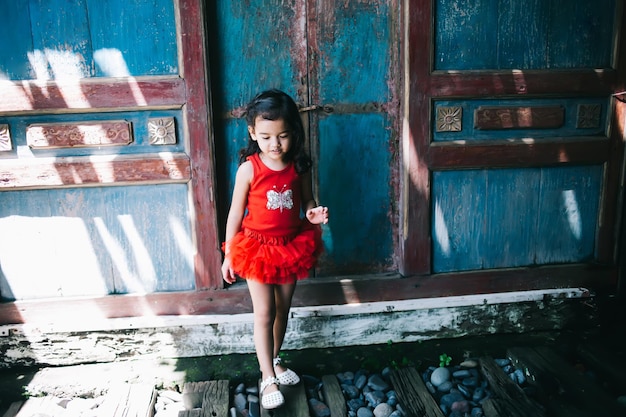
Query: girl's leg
[[264, 309], [282, 295]]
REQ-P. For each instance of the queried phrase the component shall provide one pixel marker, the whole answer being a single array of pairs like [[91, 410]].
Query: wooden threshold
[[312, 292]]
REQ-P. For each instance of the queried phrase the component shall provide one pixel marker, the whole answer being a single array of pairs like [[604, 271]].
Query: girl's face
[[273, 137]]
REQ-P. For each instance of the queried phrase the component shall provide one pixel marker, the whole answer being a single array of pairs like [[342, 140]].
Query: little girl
[[272, 246]]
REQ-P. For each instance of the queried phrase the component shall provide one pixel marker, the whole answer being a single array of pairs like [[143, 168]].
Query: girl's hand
[[317, 215], [227, 272]]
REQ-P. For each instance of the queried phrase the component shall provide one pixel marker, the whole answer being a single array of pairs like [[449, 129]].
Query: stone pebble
[[369, 394]]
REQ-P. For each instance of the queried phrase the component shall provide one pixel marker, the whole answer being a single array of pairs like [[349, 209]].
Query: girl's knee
[[265, 317]]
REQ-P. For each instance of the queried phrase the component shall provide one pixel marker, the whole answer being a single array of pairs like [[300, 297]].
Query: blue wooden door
[[508, 156], [339, 60], [104, 151]]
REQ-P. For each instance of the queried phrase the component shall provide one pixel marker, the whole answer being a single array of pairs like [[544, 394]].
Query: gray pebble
[[364, 412], [360, 381], [319, 408], [377, 383], [350, 391], [383, 410], [502, 362], [439, 376]]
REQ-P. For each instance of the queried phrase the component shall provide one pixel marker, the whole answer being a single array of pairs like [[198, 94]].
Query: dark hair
[[274, 105]]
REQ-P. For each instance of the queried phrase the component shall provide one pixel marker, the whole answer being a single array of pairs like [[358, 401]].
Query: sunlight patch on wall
[[183, 240], [51, 64], [30, 247], [111, 62], [117, 253], [441, 231], [572, 212], [145, 272]]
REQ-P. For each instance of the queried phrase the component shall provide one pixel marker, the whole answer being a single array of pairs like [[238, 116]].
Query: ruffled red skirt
[[275, 260]]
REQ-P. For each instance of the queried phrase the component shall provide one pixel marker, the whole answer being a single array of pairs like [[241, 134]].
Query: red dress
[[275, 245]]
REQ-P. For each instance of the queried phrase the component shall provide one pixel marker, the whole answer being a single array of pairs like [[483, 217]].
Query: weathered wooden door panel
[[354, 176], [535, 34], [518, 164], [337, 60], [570, 197], [56, 40], [353, 59], [504, 218], [105, 166], [133, 37], [121, 240]]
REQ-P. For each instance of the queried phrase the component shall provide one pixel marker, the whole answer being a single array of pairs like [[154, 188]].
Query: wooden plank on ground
[[193, 394], [13, 409], [412, 393], [194, 412], [604, 364], [295, 405], [508, 398], [334, 396], [128, 400], [565, 391], [216, 399], [39, 406]]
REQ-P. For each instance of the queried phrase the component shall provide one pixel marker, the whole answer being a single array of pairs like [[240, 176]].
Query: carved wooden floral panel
[[68, 135], [5, 138]]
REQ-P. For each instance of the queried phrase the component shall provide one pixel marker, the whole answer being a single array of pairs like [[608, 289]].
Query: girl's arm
[[235, 215], [314, 213]]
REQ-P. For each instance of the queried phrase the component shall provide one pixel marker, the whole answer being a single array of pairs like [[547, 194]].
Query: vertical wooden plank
[[233, 137], [523, 34], [32, 227], [199, 128], [568, 214], [258, 43], [508, 398], [581, 34], [147, 238], [511, 213], [61, 41], [458, 220], [351, 67], [133, 38], [354, 183], [17, 41], [354, 51], [465, 32], [333, 396], [13, 409], [215, 399], [612, 213], [296, 404], [415, 201], [413, 394]]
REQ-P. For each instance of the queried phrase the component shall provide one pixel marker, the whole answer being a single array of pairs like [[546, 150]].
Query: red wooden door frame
[[195, 62], [421, 157]]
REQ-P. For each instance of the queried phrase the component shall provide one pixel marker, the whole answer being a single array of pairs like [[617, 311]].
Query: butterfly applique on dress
[[280, 200]]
